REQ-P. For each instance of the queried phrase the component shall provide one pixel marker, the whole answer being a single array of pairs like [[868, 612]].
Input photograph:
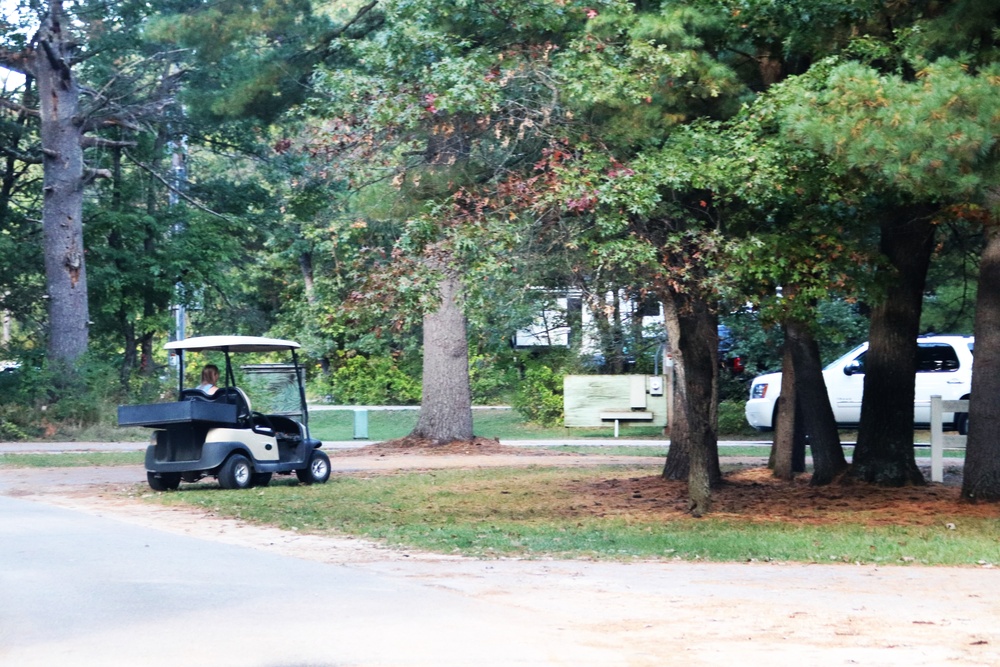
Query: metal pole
[[178, 165], [180, 325], [180, 376]]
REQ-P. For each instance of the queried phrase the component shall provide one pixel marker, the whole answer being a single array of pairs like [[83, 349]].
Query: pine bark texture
[[981, 476], [818, 422], [884, 453], [446, 407], [784, 428], [692, 327], [63, 181], [678, 463]]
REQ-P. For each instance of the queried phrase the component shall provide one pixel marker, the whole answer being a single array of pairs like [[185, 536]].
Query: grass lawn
[[543, 511], [504, 424], [605, 512], [338, 425]]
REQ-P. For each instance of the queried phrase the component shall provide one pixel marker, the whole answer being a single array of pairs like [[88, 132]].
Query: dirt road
[[648, 613]]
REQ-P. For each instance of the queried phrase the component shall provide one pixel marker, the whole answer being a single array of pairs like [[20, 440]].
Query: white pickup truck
[[944, 368]]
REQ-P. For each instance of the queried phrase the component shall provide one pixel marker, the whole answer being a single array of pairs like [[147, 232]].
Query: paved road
[[77, 589]]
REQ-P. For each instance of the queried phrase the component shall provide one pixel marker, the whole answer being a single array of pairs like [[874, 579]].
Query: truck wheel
[[261, 478], [318, 470], [164, 481], [236, 473], [962, 423]]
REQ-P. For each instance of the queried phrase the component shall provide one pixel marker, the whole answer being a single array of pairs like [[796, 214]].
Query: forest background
[[402, 184]]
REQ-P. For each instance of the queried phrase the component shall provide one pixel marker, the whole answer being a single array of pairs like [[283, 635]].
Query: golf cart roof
[[231, 344]]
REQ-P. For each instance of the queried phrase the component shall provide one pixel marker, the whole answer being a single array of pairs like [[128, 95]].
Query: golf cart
[[220, 434]]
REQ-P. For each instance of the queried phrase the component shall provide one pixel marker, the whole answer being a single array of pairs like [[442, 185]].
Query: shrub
[[734, 386], [539, 398], [732, 419], [10, 429], [492, 378], [362, 380], [47, 399]]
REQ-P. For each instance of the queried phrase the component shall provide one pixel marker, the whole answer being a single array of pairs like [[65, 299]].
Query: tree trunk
[[678, 463], [818, 423], [446, 407], [308, 278], [146, 366], [784, 429], [692, 327], [884, 453], [981, 478], [62, 208], [130, 358]]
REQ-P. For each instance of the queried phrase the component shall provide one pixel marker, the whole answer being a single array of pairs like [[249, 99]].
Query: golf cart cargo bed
[[163, 415]]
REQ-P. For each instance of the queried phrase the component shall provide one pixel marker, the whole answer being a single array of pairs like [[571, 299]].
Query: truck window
[[936, 358]]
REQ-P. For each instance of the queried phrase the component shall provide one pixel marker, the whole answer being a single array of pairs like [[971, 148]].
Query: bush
[[539, 398], [732, 419], [362, 380], [492, 379], [10, 430], [47, 399], [734, 386]]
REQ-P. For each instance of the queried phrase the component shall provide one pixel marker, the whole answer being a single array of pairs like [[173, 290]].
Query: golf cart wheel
[[318, 470], [261, 478], [236, 473], [164, 481]]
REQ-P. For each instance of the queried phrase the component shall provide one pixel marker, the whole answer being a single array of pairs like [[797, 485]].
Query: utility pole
[[178, 169]]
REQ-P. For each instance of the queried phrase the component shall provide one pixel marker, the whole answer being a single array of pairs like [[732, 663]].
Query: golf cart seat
[[195, 395], [237, 397]]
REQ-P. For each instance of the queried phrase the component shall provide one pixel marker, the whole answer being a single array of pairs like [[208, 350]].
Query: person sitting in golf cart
[[209, 378]]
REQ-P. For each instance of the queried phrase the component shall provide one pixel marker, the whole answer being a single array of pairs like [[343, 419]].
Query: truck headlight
[[758, 390]]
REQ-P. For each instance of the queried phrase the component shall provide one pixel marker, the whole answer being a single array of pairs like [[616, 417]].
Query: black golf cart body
[[220, 434]]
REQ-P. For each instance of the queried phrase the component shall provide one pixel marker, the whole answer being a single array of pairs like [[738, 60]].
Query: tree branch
[[179, 193], [19, 156], [16, 61], [334, 34], [91, 175], [20, 108], [100, 142]]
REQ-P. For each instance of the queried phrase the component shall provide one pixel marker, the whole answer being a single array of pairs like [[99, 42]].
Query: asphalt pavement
[[91, 588], [79, 589]]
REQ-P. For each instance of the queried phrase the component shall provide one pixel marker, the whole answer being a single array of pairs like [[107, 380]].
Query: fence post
[[937, 440]]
